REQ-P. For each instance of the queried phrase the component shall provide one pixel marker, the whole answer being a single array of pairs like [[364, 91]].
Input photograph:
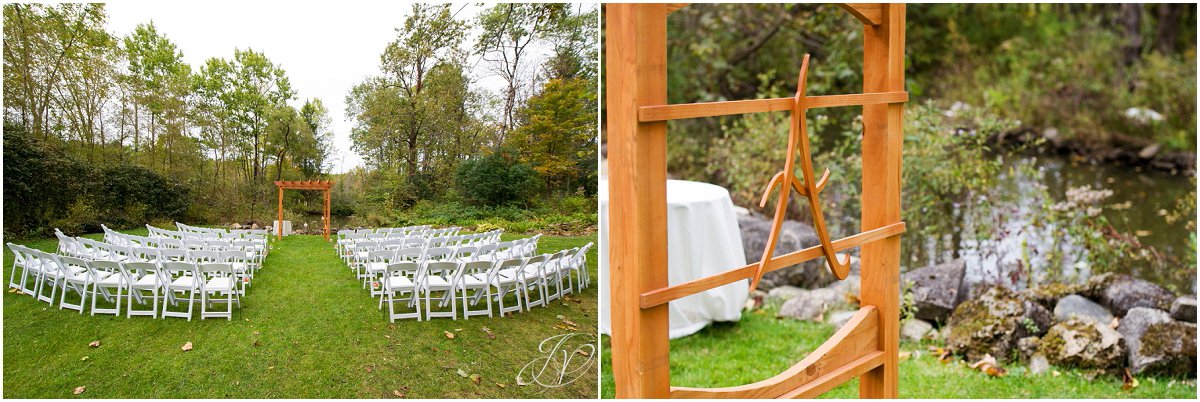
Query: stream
[[1012, 240]]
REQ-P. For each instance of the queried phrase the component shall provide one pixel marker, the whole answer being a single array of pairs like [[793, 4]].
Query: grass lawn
[[760, 346], [306, 329]]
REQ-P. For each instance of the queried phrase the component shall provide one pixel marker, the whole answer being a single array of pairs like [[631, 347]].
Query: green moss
[[1175, 343]]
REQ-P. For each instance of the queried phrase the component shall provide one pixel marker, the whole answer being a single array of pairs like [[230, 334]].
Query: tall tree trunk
[[1131, 22], [1168, 27]]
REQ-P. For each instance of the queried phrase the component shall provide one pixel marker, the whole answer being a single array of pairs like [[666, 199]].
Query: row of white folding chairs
[[161, 274], [356, 253], [403, 231], [74, 247], [533, 281], [261, 236], [87, 248], [354, 247], [345, 237]]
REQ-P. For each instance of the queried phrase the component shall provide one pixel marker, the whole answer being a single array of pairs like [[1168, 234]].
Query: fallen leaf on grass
[[186, 347], [449, 334], [83, 358], [489, 333], [1055, 373], [942, 354], [583, 352], [905, 355], [463, 374], [570, 323], [989, 366], [257, 343], [387, 336], [370, 368], [12, 290], [501, 385], [476, 378], [397, 393], [94, 344], [79, 390], [458, 330], [1130, 382]]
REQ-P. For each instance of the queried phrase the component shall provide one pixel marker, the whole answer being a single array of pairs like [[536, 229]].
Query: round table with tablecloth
[[702, 240]]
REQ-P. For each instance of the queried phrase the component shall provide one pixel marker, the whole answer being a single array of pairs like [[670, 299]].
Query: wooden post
[[883, 136], [279, 223], [327, 214], [636, 46]]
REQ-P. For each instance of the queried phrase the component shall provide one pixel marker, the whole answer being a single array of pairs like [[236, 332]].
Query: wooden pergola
[[323, 185]]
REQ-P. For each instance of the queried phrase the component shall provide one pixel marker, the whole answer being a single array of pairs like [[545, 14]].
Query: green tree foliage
[[422, 122], [77, 97], [497, 179]]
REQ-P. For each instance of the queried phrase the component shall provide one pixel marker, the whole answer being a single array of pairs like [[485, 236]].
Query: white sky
[[325, 47]]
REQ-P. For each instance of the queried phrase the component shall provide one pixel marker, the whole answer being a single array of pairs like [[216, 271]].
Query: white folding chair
[[217, 278], [440, 276], [184, 278], [114, 280], [399, 279], [145, 276], [80, 282], [474, 277]]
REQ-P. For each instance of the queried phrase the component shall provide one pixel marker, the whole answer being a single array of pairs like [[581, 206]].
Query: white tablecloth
[[702, 239]]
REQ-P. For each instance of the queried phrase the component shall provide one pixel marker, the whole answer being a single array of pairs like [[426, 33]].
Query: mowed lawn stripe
[[306, 328]]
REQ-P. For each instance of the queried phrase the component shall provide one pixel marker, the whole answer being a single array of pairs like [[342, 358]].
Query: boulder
[[793, 236], [1038, 364], [784, 293], [936, 289], [1027, 347], [915, 329], [1076, 306], [809, 305], [1083, 343], [1184, 308], [993, 322], [847, 289], [1048, 294], [838, 319], [1120, 293], [1158, 344]]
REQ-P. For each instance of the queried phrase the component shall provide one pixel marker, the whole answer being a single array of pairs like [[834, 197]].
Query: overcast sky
[[324, 47]]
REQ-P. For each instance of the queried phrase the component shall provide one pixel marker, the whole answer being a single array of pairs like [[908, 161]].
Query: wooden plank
[[836, 377], [844, 350], [711, 109], [658, 297], [867, 13], [636, 57], [883, 135]]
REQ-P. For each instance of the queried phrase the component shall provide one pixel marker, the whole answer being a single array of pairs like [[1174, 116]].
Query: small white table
[[702, 239]]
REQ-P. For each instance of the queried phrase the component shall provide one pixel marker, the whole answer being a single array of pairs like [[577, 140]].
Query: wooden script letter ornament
[[866, 347]]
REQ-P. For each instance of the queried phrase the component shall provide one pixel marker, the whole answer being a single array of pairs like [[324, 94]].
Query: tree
[[509, 31], [558, 133]]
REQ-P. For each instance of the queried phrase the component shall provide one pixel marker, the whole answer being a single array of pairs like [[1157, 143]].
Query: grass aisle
[[760, 346], [306, 329]]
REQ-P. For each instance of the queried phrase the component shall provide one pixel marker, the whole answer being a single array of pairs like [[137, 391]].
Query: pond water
[[1014, 241]]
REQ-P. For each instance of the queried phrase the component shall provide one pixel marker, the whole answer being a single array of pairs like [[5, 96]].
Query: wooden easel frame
[[323, 185], [866, 347]]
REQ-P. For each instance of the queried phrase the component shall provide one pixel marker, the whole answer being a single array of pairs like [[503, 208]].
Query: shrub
[[497, 179]]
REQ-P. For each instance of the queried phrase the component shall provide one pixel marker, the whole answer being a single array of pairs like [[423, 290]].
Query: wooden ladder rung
[[711, 109], [664, 295]]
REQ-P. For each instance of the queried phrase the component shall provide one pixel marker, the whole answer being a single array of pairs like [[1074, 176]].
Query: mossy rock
[[1083, 344], [1173, 347], [1048, 295], [993, 322]]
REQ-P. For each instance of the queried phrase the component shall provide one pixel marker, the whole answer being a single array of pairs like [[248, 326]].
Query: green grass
[[306, 329], [760, 346]]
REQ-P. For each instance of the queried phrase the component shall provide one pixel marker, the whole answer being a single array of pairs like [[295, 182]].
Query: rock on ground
[[1120, 293], [936, 289], [1080, 307], [1027, 347], [784, 293], [915, 329], [1083, 343], [809, 305], [1038, 364], [1184, 308], [993, 322], [1158, 344], [793, 236], [840, 318]]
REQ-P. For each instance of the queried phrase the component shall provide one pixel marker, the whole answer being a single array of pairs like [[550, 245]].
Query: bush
[[497, 179], [45, 187]]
